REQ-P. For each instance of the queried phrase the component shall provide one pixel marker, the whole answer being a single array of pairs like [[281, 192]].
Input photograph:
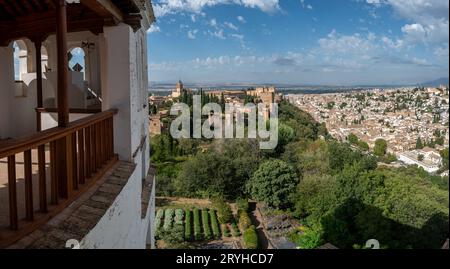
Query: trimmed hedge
[[242, 205], [244, 221], [158, 219], [197, 227], [225, 231], [187, 226], [214, 224], [205, 223], [235, 230], [179, 216], [251, 238], [168, 218]]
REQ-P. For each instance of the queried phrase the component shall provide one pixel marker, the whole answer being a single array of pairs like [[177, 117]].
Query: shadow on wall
[[355, 222]]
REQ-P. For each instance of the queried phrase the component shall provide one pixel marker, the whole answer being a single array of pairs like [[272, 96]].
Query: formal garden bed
[[204, 224]]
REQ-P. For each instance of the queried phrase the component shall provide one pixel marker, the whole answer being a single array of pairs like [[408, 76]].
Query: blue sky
[[339, 42]]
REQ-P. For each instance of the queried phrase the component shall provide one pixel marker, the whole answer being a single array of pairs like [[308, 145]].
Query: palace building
[[74, 130]]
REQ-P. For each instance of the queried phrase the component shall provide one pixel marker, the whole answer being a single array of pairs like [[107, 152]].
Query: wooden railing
[[78, 155], [71, 110]]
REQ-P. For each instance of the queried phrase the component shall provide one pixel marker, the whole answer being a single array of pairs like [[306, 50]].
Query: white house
[[426, 158], [74, 141]]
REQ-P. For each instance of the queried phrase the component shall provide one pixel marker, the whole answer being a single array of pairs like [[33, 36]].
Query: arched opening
[[44, 60], [20, 59], [77, 60]]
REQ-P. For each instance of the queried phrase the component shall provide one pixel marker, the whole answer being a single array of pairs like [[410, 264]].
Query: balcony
[[39, 181]]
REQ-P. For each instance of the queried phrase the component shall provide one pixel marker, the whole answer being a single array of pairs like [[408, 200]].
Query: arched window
[[20, 59], [44, 58], [77, 61]]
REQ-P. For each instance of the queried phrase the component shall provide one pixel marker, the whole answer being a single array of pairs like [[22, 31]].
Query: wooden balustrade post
[[88, 153], [42, 179], [28, 185], [112, 136], [93, 149], [74, 158], [81, 152], [53, 174], [13, 219]]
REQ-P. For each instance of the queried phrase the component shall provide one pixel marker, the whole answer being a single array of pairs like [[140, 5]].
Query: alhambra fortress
[[264, 95], [74, 154]]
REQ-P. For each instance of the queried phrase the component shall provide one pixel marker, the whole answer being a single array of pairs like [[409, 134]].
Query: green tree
[[380, 147], [273, 183], [445, 160], [363, 145], [419, 144], [222, 170], [353, 139], [224, 213]]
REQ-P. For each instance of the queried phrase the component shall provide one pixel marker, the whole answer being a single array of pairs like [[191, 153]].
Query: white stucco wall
[[122, 226], [124, 80]]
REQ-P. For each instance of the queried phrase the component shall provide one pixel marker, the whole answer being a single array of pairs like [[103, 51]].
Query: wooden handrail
[[79, 155], [71, 110], [14, 146]]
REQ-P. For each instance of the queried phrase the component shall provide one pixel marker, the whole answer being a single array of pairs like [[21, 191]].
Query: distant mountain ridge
[[436, 83]]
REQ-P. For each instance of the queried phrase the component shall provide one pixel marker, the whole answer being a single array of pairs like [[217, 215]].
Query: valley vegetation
[[336, 191]]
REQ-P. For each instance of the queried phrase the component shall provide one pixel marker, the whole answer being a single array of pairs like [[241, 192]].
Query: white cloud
[[231, 26], [348, 44], [442, 52], [213, 22], [241, 19], [305, 5], [241, 39], [429, 19], [219, 34], [153, 29], [192, 34], [166, 7], [389, 43]]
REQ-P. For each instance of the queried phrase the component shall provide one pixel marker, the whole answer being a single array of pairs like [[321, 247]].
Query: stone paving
[[82, 215]]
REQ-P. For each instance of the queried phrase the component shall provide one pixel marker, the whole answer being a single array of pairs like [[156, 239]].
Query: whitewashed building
[[74, 141], [427, 158]]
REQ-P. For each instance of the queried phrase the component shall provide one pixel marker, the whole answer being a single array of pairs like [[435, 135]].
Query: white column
[[115, 65]]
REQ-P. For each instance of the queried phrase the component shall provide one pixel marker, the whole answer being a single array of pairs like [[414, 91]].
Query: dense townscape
[[412, 121]]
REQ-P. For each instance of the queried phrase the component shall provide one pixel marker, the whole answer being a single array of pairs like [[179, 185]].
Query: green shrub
[[311, 238], [244, 221], [159, 218], [225, 230], [168, 218], [235, 230], [187, 226], [205, 223], [224, 213], [160, 214], [158, 221], [242, 205], [173, 236], [251, 238], [197, 227], [179, 216], [214, 224]]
